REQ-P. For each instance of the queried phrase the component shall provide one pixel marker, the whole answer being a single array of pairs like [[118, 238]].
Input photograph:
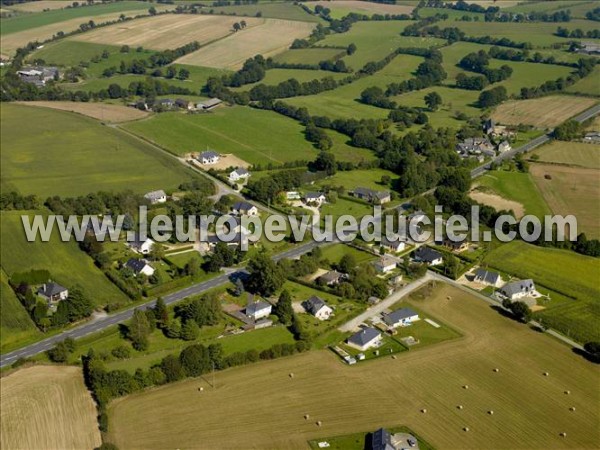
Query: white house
[[140, 266], [238, 174], [244, 209], [209, 157], [315, 197], [141, 246], [156, 197], [53, 293], [365, 339], [504, 146], [385, 264], [518, 289], [395, 244], [317, 307], [400, 318], [258, 309]]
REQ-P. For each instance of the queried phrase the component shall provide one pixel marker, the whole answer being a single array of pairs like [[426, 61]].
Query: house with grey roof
[[400, 318], [244, 209], [315, 197], [475, 146], [372, 196], [156, 197], [518, 289], [385, 264], [317, 307], [394, 244], [487, 277], [209, 104], [140, 266], [429, 256], [53, 293], [238, 174], [331, 278], [504, 146], [38, 75], [365, 339], [209, 157], [258, 309]]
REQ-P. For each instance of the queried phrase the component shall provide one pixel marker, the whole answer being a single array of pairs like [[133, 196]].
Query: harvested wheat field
[[497, 202], [167, 31], [364, 7], [545, 112], [101, 111], [530, 409], [571, 190], [47, 407], [41, 5], [272, 37], [11, 42]]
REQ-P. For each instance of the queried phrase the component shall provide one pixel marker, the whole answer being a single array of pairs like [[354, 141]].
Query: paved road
[[107, 321], [588, 114], [385, 303]]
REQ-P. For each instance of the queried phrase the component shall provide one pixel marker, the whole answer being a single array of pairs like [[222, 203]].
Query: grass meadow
[[587, 86], [312, 55], [273, 10], [531, 413], [570, 278], [66, 154], [570, 153], [67, 264]]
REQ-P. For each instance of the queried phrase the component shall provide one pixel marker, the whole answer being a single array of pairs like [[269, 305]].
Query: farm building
[[395, 244], [371, 196], [400, 318], [429, 256], [258, 309], [209, 157], [53, 292], [244, 209], [140, 245], [365, 339], [209, 104], [317, 307], [385, 264], [475, 146], [238, 174], [504, 146], [166, 103], [140, 266], [592, 138], [518, 289], [314, 197], [184, 104], [156, 197], [331, 278], [38, 75], [486, 277]]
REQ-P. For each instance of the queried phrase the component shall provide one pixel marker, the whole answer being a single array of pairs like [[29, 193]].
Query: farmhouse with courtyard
[[365, 339], [475, 146], [317, 307], [38, 75]]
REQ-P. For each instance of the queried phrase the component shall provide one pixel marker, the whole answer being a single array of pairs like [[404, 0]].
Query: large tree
[[266, 277], [283, 309], [433, 100]]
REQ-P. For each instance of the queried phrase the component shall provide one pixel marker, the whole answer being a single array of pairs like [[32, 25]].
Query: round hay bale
[[291, 375], [424, 411], [393, 356], [466, 429], [201, 389], [490, 412], [568, 392], [319, 423], [563, 434], [306, 416], [466, 386], [496, 370], [546, 374], [459, 407], [572, 408]]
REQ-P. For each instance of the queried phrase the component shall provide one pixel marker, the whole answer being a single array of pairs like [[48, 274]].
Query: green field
[[518, 187], [343, 206], [359, 178], [35, 20], [571, 153], [334, 253], [67, 264], [256, 136], [540, 34], [283, 10], [589, 85], [549, 6], [67, 154], [16, 327], [312, 55], [570, 279], [276, 76]]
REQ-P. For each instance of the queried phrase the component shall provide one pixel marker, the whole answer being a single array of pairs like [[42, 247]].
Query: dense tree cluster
[[492, 97], [594, 14], [479, 62], [265, 277], [577, 33], [14, 201], [519, 310], [266, 189], [568, 131]]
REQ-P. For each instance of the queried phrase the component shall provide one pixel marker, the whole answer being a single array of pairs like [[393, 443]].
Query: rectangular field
[[530, 409], [571, 190], [67, 154], [106, 112], [312, 55], [41, 5], [570, 153], [589, 85], [341, 8], [256, 136], [273, 10], [273, 36], [166, 31], [69, 265], [48, 407], [545, 112]]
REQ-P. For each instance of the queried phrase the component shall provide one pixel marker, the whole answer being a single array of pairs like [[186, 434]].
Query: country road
[[121, 316]]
